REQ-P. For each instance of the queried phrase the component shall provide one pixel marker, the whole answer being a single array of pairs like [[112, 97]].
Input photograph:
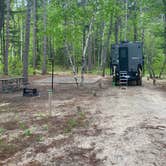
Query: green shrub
[[27, 132]]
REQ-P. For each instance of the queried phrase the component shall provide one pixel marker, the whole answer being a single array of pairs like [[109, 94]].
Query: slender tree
[[7, 37], [126, 20], [116, 30], [34, 34], [2, 6], [27, 39], [90, 54], [85, 50], [135, 28], [44, 67], [164, 63], [106, 46]]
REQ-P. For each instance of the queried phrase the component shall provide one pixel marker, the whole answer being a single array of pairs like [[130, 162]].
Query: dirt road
[[111, 126], [133, 127]]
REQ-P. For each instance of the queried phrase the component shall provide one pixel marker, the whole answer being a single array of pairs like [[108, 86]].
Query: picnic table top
[[10, 78]]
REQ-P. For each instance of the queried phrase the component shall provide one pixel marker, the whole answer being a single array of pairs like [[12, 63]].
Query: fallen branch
[[161, 127]]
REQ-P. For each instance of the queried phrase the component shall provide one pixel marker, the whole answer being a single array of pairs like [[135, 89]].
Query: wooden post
[[50, 102], [154, 81]]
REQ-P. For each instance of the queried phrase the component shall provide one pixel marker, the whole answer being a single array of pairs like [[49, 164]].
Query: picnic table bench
[[11, 84]]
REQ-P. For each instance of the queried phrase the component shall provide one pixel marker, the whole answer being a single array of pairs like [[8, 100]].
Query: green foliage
[[22, 126], [82, 115], [2, 130], [67, 22], [153, 52], [30, 70], [15, 65], [76, 121], [1, 69], [45, 127], [39, 138], [71, 123], [27, 132]]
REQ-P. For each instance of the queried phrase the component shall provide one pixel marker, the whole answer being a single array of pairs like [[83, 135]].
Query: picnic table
[[11, 84]]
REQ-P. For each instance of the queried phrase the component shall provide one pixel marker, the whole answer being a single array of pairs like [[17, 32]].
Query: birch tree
[[85, 50]]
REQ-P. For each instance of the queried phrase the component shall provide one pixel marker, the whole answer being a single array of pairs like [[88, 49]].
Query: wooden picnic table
[[11, 84]]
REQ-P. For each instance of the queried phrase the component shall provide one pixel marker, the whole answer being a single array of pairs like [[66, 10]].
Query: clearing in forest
[[91, 126]]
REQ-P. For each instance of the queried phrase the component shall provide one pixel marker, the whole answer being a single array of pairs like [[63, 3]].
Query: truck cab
[[127, 63]]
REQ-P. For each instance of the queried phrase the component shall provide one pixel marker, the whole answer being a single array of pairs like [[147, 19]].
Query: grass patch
[[45, 127], [27, 132], [2, 130], [39, 138], [71, 123], [22, 126], [81, 115], [7, 150], [75, 122]]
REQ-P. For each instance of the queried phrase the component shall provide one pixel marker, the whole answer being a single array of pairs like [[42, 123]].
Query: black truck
[[127, 63]]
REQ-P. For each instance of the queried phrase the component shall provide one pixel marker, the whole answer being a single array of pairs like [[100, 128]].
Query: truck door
[[123, 58]]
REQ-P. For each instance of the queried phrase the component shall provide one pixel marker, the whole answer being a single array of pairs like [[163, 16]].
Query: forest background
[[78, 34]]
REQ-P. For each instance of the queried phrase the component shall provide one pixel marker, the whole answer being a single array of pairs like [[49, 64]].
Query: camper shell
[[127, 62]]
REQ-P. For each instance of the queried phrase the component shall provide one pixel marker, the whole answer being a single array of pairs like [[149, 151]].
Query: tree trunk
[[94, 50], [102, 44], [26, 46], [116, 30], [84, 51], [150, 68], [3, 41], [44, 68], [120, 29], [106, 46], [135, 22], [164, 63], [71, 63], [7, 37], [90, 54], [34, 35], [126, 20], [135, 32], [163, 67], [2, 6]]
